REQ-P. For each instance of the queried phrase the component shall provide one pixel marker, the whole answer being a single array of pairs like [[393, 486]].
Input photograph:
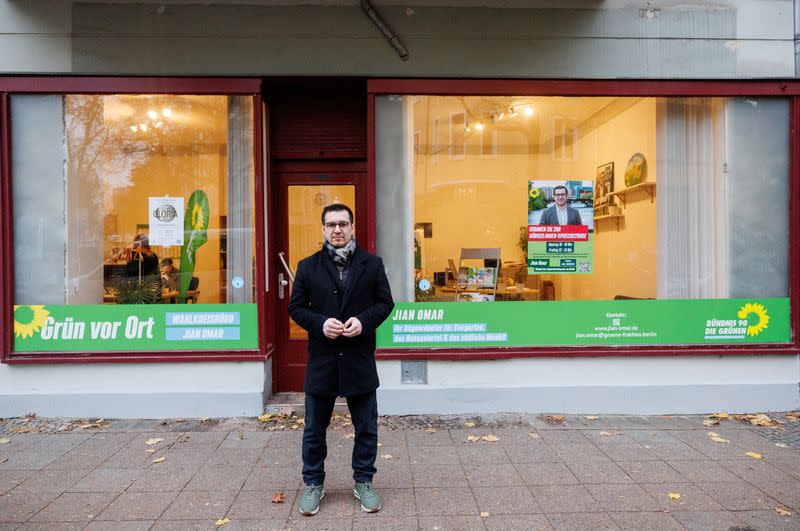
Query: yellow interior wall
[[178, 176], [480, 201]]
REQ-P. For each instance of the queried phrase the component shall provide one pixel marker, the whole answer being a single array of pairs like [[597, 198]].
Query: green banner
[[578, 323], [139, 327]]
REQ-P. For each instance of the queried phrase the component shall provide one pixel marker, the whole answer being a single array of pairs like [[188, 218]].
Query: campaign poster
[[560, 226], [166, 221]]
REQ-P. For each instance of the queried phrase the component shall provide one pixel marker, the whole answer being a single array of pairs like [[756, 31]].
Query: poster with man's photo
[[560, 226]]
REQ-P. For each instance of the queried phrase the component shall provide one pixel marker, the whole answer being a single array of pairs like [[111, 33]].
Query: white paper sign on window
[[166, 221]]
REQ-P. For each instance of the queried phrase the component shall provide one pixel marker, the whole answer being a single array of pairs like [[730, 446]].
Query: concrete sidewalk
[[608, 472]]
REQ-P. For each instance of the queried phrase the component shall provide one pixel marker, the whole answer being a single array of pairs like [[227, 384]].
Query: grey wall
[[726, 39]]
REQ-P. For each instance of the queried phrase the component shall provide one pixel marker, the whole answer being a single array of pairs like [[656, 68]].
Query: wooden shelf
[[648, 188], [613, 217]]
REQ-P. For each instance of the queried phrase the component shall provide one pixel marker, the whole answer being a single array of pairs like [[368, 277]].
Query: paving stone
[[49, 526], [43, 452], [628, 452], [675, 451], [738, 496], [9, 479], [417, 438], [546, 474], [258, 505], [482, 452], [394, 502], [788, 493], [572, 521], [20, 506], [564, 437], [651, 471], [703, 472], [708, 520], [482, 475], [141, 525], [526, 522], [445, 501], [185, 525], [133, 454], [693, 498], [644, 521], [255, 525], [164, 478], [281, 457], [505, 500], [392, 475], [533, 452], [246, 440], [338, 477], [52, 480], [319, 523], [138, 506], [107, 480], [425, 475], [266, 477], [769, 520], [651, 436], [292, 439], [434, 455], [598, 472], [451, 523], [579, 452], [564, 498], [608, 437], [198, 505], [234, 456], [219, 477], [623, 497], [75, 507], [93, 451], [756, 471]]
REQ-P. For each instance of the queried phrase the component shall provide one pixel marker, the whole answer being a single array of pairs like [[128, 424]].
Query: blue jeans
[[364, 413]]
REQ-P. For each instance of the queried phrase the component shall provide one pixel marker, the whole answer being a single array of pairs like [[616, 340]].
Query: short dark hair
[[560, 186], [166, 262], [337, 207], [143, 240]]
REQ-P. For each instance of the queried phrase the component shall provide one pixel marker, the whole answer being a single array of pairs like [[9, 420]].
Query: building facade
[[581, 209]]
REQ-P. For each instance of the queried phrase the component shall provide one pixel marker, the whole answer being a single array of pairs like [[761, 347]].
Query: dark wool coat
[[342, 366]]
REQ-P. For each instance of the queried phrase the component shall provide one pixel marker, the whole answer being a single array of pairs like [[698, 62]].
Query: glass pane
[[305, 225]]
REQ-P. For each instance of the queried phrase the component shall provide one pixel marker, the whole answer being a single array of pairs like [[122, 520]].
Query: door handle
[[282, 283], [288, 269]]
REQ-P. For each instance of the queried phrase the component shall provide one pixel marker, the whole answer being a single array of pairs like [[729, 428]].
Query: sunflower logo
[[535, 193], [198, 222], [757, 318], [29, 319]]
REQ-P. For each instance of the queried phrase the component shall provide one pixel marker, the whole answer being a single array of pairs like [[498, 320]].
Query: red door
[[298, 199]]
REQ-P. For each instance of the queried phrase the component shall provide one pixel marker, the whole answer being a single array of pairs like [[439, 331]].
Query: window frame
[[645, 88], [10, 86]]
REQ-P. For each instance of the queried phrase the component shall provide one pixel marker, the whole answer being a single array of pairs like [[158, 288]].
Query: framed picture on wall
[[603, 185]]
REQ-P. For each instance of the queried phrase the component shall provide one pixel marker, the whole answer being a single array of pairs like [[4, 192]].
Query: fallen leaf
[[555, 419], [4, 440], [490, 438], [178, 421], [605, 433], [484, 514], [719, 416], [386, 456], [674, 496], [472, 438], [759, 420], [346, 425], [534, 435], [469, 424], [350, 436], [295, 426], [712, 434], [380, 444], [591, 417], [153, 441], [793, 416], [430, 430], [3, 460], [713, 422], [221, 522], [781, 445], [719, 440], [278, 497], [204, 419], [266, 417], [667, 417], [151, 450], [302, 421], [783, 511], [23, 429], [160, 460], [754, 455]]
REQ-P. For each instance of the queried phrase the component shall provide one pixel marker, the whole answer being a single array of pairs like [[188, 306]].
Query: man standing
[[560, 213], [340, 296]]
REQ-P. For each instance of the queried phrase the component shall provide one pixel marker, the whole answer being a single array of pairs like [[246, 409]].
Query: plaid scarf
[[341, 255]]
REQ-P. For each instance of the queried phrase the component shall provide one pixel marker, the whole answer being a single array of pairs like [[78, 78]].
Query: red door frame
[[555, 87], [282, 176], [125, 85]]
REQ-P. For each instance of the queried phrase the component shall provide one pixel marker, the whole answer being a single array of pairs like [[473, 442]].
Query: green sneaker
[[370, 500], [309, 502]]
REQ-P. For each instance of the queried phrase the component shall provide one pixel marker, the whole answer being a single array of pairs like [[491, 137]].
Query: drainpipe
[[383, 27]]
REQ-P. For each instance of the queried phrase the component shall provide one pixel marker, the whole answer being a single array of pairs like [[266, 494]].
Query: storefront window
[[584, 220], [133, 222]]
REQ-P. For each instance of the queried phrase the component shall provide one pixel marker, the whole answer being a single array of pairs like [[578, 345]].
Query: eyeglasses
[[560, 195], [331, 225]]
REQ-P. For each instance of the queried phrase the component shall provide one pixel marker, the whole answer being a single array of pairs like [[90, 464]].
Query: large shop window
[[595, 221], [133, 222]]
